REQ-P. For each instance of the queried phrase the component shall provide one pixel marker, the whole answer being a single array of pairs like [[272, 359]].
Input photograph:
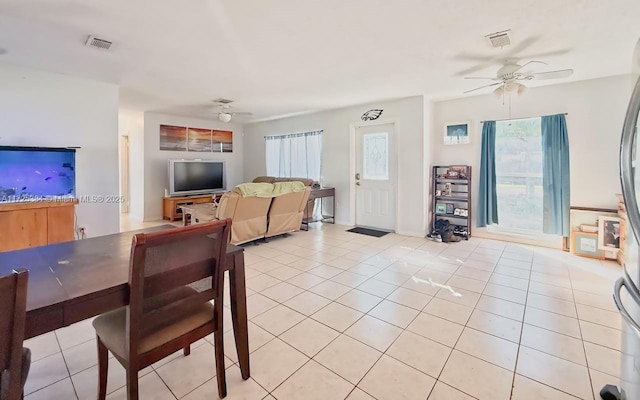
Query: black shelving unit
[[460, 197]]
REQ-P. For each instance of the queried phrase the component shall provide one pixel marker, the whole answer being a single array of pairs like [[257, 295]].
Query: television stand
[[171, 205]]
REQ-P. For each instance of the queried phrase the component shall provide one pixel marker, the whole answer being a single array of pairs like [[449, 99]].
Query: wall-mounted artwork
[[173, 138], [199, 140], [180, 138], [371, 115], [222, 141], [457, 133]]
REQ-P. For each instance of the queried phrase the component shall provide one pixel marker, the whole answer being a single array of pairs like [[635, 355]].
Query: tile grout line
[[515, 367]]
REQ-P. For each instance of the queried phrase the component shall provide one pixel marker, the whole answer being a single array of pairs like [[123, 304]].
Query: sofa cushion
[[264, 179]]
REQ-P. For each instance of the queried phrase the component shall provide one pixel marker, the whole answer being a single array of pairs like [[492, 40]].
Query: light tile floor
[[337, 315]]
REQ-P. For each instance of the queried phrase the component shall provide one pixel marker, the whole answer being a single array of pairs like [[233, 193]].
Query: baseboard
[[411, 233], [484, 234]]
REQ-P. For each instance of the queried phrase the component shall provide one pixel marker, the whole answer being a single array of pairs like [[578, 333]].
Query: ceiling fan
[[508, 78], [224, 111]]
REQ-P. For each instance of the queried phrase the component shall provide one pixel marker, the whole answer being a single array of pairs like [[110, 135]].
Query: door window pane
[[519, 174], [375, 156]]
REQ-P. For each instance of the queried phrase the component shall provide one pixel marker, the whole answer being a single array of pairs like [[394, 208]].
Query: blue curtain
[[555, 175], [488, 201]]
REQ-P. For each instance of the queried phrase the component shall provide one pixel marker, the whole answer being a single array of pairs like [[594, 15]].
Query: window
[[297, 155], [518, 160]]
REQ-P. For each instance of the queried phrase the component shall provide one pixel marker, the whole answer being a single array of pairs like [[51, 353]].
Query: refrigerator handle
[[626, 161], [623, 311]]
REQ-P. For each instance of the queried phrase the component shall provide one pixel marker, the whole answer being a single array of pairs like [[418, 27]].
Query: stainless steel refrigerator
[[627, 288]]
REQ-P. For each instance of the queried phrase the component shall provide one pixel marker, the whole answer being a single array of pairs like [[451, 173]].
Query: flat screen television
[[36, 173], [187, 177]]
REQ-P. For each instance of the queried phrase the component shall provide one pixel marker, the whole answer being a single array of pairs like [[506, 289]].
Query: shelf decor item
[[441, 208], [463, 212], [449, 208], [456, 212]]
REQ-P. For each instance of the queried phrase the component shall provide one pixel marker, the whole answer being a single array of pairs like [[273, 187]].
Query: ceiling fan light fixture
[[224, 117], [521, 88]]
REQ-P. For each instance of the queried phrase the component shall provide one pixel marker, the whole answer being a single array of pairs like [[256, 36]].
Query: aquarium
[[34, 173]]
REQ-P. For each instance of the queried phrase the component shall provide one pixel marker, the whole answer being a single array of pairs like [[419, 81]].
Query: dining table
[[72, 281]]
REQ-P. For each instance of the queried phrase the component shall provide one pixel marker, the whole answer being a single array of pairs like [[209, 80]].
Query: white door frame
[[352, 162], [124, 173]]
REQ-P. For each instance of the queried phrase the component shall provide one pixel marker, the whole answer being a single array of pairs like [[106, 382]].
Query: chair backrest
[[164, 261], [249, 215], [13, 303], [286, 212]]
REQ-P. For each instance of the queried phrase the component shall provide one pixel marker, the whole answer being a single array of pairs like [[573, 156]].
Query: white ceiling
[[292, 56]]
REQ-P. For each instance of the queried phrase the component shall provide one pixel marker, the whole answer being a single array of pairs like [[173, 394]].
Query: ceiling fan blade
[[524, 44], [243, 113], [529, 63], [562, 73], [558, 52], [470, 70], [485, 86], [482, 77], [472, 57]]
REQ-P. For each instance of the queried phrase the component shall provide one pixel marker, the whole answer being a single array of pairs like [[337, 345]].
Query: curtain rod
[[513, 119]]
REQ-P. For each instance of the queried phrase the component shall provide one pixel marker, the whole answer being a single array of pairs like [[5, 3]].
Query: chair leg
[[187, 350], [220, 371], [132, 383], [103, 369]]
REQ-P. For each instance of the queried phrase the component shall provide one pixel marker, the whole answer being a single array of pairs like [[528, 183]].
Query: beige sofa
[[258, 217], [305, 181]]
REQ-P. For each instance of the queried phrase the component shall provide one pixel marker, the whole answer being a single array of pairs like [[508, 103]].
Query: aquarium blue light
[[33, 173]]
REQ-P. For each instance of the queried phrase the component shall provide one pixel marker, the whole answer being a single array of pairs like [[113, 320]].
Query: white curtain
[[298, 155]]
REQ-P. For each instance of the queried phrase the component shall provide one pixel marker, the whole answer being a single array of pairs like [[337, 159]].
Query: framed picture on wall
[[457, 133]]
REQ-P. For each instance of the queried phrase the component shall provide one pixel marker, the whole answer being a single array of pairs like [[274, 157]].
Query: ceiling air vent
[[98, 43], [499, 39]]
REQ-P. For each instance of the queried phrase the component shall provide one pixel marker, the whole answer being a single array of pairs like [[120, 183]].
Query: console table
[[320, 193]]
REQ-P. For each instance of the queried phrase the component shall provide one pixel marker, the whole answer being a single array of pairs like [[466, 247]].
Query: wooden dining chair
[[165, 312], [14, 359]]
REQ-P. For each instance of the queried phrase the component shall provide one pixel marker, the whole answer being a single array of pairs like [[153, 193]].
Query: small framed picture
[[586, 244], [456, 211], [609, 233], [457, 133], [462, 171], [449, 208], [441, 208], [464, 212]]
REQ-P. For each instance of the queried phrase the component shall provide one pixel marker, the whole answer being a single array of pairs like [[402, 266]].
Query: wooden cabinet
[[451, 197], [171, 205], [32, 224]]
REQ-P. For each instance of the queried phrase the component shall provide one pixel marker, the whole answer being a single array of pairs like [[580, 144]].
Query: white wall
[[39, 108], [409, 113], [131, 124], [156, 167], [596, 110]]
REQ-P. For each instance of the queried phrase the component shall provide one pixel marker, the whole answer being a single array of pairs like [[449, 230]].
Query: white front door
[[376, 177]]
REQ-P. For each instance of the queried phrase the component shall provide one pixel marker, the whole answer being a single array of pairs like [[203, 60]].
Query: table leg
[[239, 313]]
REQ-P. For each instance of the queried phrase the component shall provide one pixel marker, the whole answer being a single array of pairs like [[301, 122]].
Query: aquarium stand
[[36, 223]]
